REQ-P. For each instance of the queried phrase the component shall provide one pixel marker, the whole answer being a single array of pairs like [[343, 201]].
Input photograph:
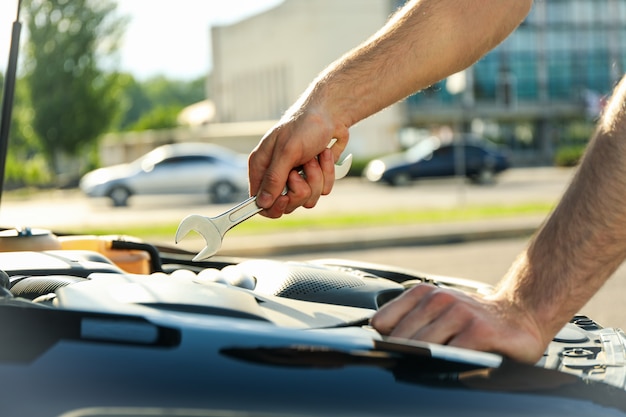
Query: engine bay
[[314, 294]]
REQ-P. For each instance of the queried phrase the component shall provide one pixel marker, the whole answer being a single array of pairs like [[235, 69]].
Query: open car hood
[[262, 337]]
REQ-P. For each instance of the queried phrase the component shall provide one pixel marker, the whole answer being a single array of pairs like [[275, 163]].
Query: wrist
[[323, 112], [526, 295]]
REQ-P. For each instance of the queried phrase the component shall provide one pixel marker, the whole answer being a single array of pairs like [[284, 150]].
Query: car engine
[[322, 293]]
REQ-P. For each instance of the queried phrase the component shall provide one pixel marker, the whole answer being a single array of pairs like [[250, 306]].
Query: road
[[59, 209]]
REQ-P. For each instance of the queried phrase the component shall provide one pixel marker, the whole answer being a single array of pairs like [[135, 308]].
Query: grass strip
[[291, 223]]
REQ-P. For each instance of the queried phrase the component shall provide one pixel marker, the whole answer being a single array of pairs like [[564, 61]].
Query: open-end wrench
[[213, 229]]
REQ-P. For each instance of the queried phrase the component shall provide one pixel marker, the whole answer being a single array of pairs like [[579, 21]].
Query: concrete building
[[262, 64]]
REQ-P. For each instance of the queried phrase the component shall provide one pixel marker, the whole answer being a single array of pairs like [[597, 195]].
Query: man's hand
[[298, 142], [446, 316]]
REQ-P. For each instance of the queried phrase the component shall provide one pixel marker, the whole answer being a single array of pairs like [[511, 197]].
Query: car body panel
[[217, 364]]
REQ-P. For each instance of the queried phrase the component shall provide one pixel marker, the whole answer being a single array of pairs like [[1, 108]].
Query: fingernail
[[264, 200]]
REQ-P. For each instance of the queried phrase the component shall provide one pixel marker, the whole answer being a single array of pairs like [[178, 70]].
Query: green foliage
[[158, 118], [579, 131], [171, 92], [150, 104], [24, 170], [357, 167], [73, 100], [25, 163], [569, 156], [134, 102], [576, 136]]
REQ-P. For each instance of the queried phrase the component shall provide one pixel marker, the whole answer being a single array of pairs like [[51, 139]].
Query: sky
[[163, 37]]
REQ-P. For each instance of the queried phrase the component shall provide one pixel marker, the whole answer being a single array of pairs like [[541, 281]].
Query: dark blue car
[[474, 159]]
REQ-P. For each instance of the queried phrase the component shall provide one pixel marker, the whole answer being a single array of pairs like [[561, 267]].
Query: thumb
[[273, 181]]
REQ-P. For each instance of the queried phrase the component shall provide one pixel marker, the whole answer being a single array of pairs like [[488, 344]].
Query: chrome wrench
[[213, 229]]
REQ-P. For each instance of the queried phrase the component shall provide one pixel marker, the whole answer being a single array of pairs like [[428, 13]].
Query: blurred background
[[102, 83]]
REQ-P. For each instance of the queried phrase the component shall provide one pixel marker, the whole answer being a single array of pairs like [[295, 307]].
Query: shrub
[[569, 156]]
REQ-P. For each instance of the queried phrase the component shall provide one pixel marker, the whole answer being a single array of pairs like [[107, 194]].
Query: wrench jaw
[[203, 226], [205, 253], [342, 168], [185, 226]]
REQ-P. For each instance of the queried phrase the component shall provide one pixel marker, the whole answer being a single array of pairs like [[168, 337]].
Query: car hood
[[259, 334]]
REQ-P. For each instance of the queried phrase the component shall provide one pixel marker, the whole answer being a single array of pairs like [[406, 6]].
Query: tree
[[155, 103], [134, 101], [168, 92], [72, 97], [25, 164]]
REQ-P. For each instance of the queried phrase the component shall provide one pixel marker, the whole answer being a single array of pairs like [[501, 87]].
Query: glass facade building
[[555, 68]]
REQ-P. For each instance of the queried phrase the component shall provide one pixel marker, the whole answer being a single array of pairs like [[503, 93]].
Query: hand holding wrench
[[213, 229]]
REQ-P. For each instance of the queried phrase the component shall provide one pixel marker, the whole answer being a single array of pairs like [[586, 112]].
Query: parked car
[[475, 159], [181, 168]]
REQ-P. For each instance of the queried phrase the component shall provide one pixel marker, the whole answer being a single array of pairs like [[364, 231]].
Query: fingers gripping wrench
[[213, 229]]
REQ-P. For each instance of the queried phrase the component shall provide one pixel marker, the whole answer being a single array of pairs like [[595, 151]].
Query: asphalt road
[[61, 208]]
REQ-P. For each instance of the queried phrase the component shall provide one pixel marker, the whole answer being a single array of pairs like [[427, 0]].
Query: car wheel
[[223, 192], [485, 176], [119, 196], [400, 180]]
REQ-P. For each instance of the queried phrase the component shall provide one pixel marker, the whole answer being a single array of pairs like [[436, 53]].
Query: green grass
[[289, 223]]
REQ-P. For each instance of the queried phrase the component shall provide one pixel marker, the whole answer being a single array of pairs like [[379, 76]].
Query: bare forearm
[[584, 240], [420, 45]]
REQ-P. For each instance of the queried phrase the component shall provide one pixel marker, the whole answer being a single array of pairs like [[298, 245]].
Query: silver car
[[181, 168]]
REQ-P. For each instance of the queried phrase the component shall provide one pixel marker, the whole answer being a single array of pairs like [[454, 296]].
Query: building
[[555, 69], [263, 63]]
